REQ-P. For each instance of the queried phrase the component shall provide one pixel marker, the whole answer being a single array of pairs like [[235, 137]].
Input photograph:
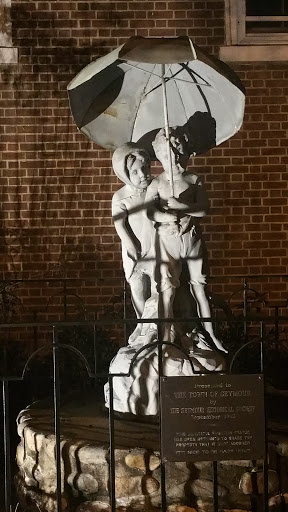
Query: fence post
[[112, 444], [7, 455], [56, 396], [265, 461], [162, 462], [215, 486]]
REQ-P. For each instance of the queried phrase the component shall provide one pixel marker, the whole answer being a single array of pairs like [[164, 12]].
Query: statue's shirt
[[189, 189], [130, 204]]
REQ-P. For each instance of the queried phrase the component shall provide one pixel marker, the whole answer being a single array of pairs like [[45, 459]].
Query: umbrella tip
[[193, 50]]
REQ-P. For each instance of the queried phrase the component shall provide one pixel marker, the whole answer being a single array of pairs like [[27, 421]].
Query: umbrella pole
[[166, 126]]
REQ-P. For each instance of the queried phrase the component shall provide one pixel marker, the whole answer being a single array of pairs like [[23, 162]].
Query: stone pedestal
[[138, 393], [85, 465]]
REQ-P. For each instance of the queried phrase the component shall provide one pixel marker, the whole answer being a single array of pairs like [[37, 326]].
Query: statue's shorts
[[172, 252], [135, 271]]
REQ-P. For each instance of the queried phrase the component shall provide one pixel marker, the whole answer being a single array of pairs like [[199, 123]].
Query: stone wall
[[85, 465]]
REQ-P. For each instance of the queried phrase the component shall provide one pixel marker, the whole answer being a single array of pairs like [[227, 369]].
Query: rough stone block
[[204, 489], [140, 459], [246, 482]]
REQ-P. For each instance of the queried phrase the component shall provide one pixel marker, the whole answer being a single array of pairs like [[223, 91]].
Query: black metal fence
[[248, 329]]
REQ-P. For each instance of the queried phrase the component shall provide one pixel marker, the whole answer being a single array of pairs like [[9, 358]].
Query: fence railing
[[268, 334]]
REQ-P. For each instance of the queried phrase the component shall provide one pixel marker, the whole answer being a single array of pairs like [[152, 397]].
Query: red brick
[[55, 179]]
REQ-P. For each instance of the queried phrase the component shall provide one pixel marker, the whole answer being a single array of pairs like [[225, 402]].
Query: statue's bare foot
[[204, 345], [218, 344]]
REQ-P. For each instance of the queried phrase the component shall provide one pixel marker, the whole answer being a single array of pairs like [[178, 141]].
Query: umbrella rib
[[159, 84], [179, 80], [141, 69], [206, 84], [150, 74], [176, 85], [143, 96], [191, 73], [196, 74]]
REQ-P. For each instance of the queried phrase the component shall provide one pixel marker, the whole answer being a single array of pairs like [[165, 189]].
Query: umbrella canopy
[[119, 97]]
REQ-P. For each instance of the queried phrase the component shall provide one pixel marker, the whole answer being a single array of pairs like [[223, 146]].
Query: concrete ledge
[[253, 53], [8, 55]]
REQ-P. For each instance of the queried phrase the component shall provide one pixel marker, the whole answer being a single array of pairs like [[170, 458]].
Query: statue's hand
[[173, 203]]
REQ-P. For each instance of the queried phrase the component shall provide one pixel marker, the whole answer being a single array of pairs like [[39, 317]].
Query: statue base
[[136, 392], [85, 465]]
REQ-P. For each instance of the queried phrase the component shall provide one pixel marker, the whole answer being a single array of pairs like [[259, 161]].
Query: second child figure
[[178, 234], [131, 165]]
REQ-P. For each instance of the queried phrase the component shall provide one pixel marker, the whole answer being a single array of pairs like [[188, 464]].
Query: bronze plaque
[[212, 417]]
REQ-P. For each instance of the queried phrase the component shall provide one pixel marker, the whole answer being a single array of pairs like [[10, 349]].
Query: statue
[[131, 165], [159, 235], [178, 236]]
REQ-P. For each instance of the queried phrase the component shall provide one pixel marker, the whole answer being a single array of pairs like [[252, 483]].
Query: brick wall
[[56, 186]]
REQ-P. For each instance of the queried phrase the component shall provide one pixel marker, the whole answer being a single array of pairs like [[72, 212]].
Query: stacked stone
[[85, 465]]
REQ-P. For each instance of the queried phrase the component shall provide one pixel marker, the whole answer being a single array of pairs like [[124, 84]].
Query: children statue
[[131, 164], [160, 234], [178, 234]]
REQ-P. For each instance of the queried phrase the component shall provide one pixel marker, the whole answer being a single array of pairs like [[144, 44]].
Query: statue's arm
[[154, 211], [120, 217], [198, 208]]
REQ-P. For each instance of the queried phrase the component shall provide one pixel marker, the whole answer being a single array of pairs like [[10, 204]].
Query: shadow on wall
[[52, 58], [42, 37], [3, 242]]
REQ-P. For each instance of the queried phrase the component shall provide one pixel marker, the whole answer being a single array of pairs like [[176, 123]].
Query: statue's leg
[[168, 270], [203, 307], [165, 310], [198, 269], [139, 284]]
